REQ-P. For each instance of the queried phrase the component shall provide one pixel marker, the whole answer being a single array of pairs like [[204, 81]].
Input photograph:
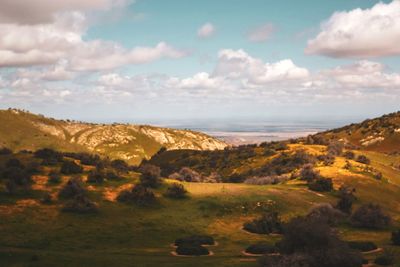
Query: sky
[[149, 60]]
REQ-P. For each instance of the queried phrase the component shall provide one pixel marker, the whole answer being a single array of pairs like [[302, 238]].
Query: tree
[[370, 216], [307, 173], [346, 199], [150, 175]]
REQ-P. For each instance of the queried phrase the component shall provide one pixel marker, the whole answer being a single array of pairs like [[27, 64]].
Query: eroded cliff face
[[125, 141]]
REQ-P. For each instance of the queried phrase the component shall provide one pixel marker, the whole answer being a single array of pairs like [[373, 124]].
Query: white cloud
[[62, 40], [43, 11], [206, 30], [360, 33], [238, 64], [261, 33], [363, 74]]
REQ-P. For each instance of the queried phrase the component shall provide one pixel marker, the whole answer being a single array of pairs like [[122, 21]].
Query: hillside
[[379, 134], [26, 131]]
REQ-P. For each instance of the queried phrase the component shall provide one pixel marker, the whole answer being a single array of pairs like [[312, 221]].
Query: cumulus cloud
[[62, 40], [239, 64], [43, 11], [261, 33], [205, 31], [360, 33]]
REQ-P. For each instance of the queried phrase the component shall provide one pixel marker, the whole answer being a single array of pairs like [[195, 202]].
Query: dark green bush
[[195, 239], [80, 204], [14, 163], [5, 151], [321, 185], [385, 259], [176, 191], [349, 154], [261, 248], [363, 246], [191, 250], [308, 173], [363, 159], [138, 194], [396, 238], [267, 224], [74, 187], [49, 156], [120, 165], [70, 167], [95, 176], [370, 216], [47, 198], [54, 178], [346, 199]]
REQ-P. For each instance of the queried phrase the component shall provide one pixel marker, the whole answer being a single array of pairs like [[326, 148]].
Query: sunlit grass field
[[33, 234]]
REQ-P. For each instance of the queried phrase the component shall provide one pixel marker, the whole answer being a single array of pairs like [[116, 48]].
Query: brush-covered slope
[[380, 134], [23, 130]]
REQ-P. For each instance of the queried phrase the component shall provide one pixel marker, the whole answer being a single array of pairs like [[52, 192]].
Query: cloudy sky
[[177, 59]]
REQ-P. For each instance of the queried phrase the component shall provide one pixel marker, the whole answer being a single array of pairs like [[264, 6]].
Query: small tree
[[370, 216], [346, 199], [150, 175], [95, 176], [335, 148]]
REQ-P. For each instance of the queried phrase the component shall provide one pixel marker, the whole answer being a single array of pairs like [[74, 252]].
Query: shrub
[[396, 238], [335, 148], [386, 259], [80, 204], [176, 191], [49, 156], [363, 159], [17, 177], [120, 165], [91, 160], [349, 154], [275, 179], [267, 224], [327, 159], [316, 241], [72, 188], [293, 260], [321, 185], [150, 175], [192, 250], [195, 239], [54, 178], [188, 175], [14, 163], [326, 213], [110, 175], [95, 176], [138, 194], [70, 167], [346, 200], [308, 173], [47, 198], [261, 248], [236, 178], [370, 216], [5, 151], [363, 246]]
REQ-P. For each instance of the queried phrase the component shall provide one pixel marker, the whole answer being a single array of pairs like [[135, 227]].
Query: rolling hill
[[21, 130], [379, 134]]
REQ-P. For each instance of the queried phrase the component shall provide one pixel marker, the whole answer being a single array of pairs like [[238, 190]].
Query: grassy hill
[[380, 134], [36, 233], [21, 130]]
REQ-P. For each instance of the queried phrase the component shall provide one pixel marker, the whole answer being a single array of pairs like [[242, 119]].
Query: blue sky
[[150, 60]]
